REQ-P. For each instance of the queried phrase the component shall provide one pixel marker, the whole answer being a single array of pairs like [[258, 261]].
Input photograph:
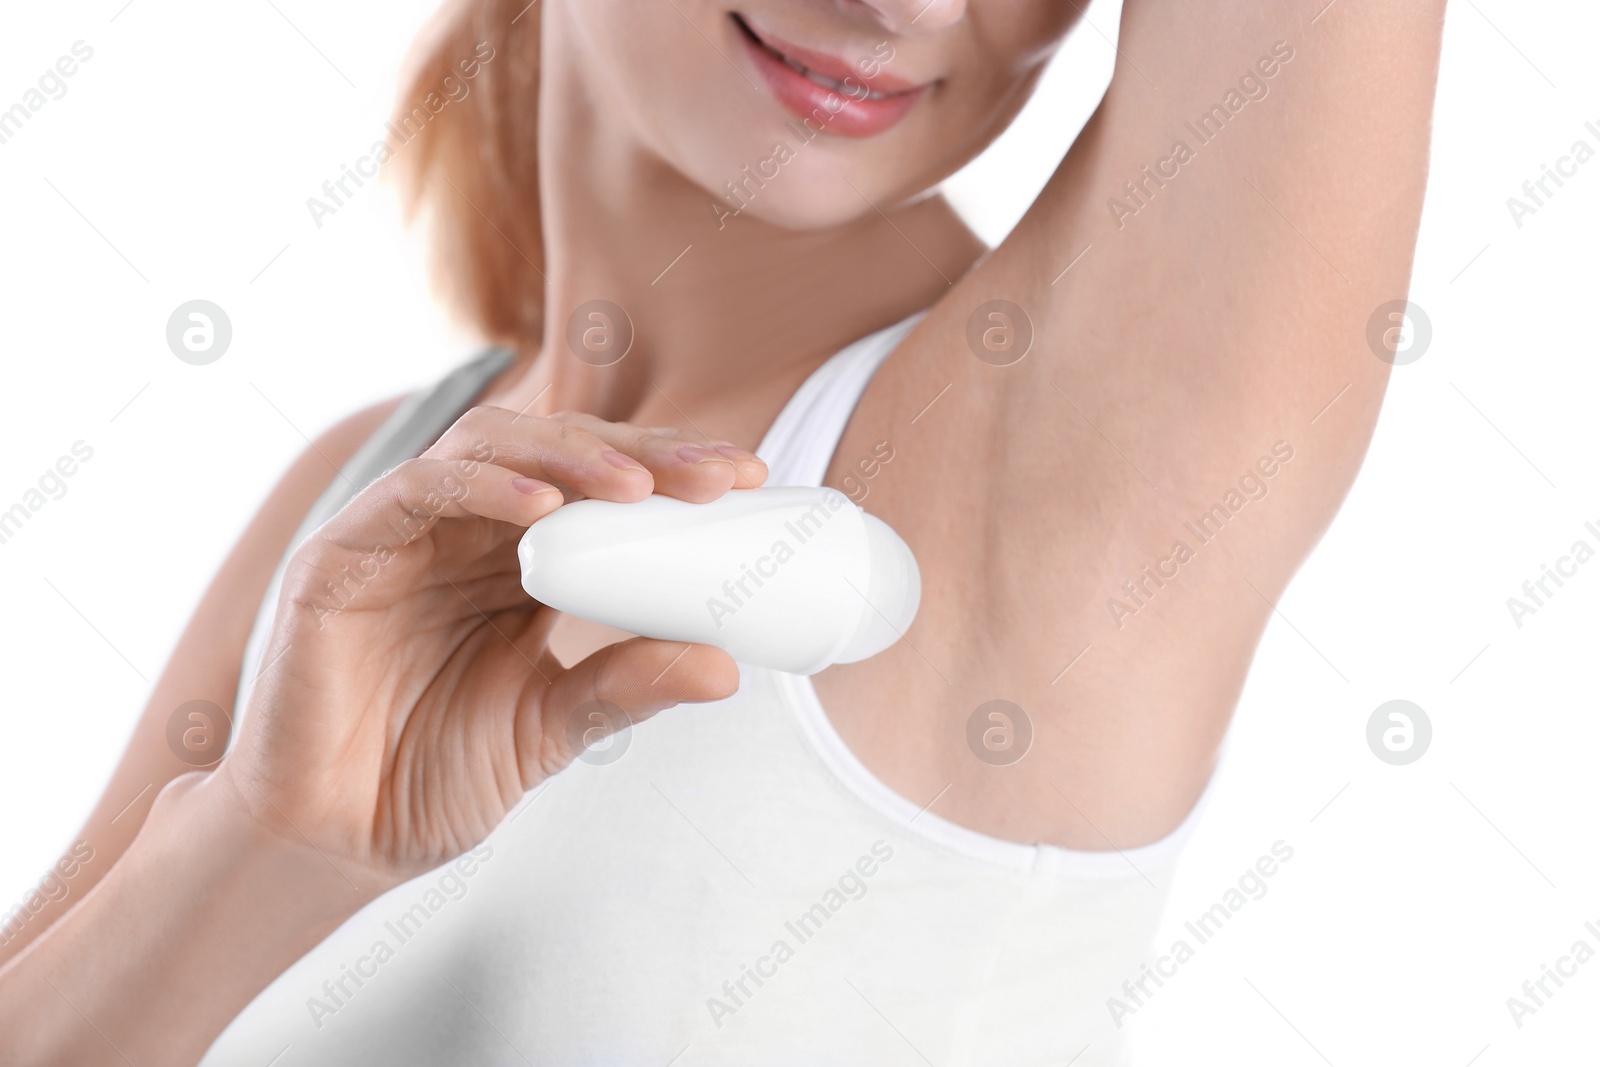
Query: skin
[[1226, 315]]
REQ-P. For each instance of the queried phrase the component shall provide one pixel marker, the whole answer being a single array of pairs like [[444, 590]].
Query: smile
[[831, 94], [855, 92]]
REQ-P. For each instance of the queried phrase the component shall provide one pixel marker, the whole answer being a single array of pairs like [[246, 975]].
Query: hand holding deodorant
[[792, 578]]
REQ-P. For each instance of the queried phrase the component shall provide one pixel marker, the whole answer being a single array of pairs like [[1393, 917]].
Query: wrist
[[205, 908], [209, 818]]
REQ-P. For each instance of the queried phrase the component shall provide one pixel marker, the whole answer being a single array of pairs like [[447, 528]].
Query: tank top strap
[[801, 441], [409, 430], [797, 447]]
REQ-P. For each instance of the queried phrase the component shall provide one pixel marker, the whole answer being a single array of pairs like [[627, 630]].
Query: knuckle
[[555, 752], [449, 442], [410, 472], [610, 675], [641, 434], [583, 420], [476, 426], [468, 421], [480, 415], [571, 437], [422, 480]]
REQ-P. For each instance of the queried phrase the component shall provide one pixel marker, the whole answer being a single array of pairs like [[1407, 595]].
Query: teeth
[[824, 80], [829, 83]]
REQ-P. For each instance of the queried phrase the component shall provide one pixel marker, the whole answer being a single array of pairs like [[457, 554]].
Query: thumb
[[616, 687]]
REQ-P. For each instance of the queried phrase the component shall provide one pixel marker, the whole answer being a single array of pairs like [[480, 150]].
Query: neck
[[726, 311]]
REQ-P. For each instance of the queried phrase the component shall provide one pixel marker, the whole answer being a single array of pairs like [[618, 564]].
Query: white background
[[1419, 898]]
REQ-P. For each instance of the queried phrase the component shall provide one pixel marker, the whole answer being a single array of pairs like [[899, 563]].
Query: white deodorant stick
[[792, 578]]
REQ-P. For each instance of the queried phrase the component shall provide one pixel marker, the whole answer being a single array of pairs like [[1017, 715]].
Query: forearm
[[204, 666], [203, 910]]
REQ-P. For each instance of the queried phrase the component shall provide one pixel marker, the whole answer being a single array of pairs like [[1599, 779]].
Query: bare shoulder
[[205, 662], [1117, 438]]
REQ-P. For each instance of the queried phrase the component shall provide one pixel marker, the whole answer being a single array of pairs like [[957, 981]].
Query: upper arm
[[1201, 326], [1222, 308], [1225, 306], [204, 664]]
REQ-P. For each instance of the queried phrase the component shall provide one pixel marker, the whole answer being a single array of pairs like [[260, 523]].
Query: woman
[[706, 237]]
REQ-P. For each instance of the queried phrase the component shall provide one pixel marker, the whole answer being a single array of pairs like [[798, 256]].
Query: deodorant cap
[[893, 593]]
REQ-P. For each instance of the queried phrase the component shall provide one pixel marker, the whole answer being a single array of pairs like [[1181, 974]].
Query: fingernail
[[621, 462], [733, 452], [696, 454], [532, 486]]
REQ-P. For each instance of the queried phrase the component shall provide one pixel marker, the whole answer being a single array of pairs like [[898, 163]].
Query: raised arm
[[1198, 280]]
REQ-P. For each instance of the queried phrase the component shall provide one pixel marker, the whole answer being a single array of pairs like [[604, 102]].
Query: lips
[[833, 95]]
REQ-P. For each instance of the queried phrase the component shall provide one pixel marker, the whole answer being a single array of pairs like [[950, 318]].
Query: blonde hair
[[473, 168]]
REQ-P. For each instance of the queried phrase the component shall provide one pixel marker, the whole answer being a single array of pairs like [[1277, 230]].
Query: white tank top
[[723, 884]]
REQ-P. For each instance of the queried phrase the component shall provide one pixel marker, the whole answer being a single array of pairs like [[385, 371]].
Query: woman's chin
[[801, 203]]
